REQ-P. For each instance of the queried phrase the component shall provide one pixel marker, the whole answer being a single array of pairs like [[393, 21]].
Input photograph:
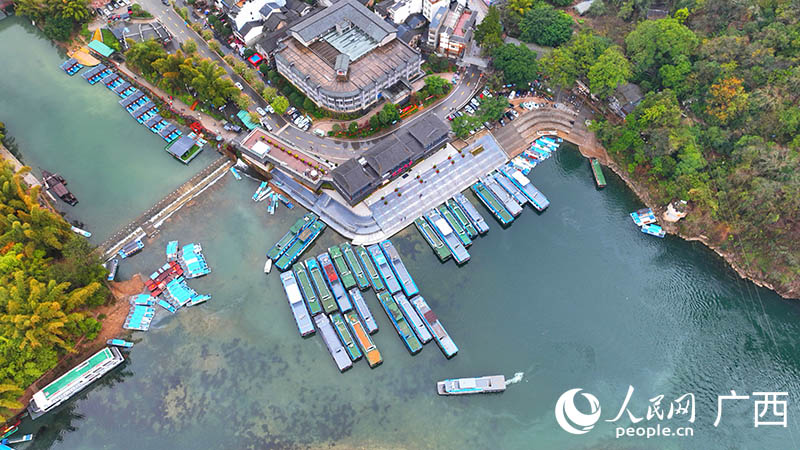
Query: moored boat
[[325, 295], [597, 171], [268, 266], [513, 190], [537, 199], [459, 213], [347, 277], [82, 232], [235, 173], [304, 239], [400, 325], [507, 200], [474, 216], [333, 281], [387, 276], [479, 385], [406, 282], [314, 306], [344, 335], [643, 216], [337, 351], [372, 273], [355, 266], [433, 239], [299, 311], [460, 253], [112, 265], [436, 328], [492, 203], [280, 247], [413, 318], [364, 341], [653, 230], [120, 343], [455, 225], [363, 311]]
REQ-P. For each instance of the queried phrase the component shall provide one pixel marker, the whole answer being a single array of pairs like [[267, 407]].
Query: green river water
[[575, 297]]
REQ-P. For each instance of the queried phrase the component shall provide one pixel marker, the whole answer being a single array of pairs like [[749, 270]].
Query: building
[[430, 7], [378, 61], [141, 32], [357, 178], [400, 11], [435, 26], [252, 18], [457, 34]]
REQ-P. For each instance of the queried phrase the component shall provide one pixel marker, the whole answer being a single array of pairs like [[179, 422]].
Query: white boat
[[479, 385], [268, 265], [83, 233]]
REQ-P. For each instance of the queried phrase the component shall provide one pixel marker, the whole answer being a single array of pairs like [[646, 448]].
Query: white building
[[429, 7], [400, 11]]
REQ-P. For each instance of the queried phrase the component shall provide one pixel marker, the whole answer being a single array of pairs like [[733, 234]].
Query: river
[[575, 297]]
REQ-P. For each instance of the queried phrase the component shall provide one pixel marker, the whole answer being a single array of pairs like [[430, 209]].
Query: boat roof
[[443, 226], [467, 383], [522, 179]]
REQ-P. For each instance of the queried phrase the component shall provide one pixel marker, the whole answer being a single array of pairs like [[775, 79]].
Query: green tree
[[279, 103], [546, 26], [389, 113], [374, 121], [462, 125], [436, 85], [517, 62], [489, 32], [58, 28], [207, 35], [189, 46], [141, 56], [242, 101], [239, 67], [492, 108], [214, 45], [269, 93], [611, 70], [655, 43]]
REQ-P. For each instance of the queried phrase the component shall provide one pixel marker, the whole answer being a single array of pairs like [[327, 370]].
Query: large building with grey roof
[[345, 58]]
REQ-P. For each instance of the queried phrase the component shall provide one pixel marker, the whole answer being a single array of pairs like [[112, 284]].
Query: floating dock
[[537, 199], [364, 341], [455, 225], [510, 187], [474, 216], [500, 194], [449, 237], [396, 317], [363, 311], [333, 343], [314, 306], [413, 318], [344, 335], [355, 267], [406, 282], [459, 213], [597, 170], [481, 385], [283, 243], [303, 240], [372, 273], [383, 269], [325, 295], [334, 282], [433, 239], [495, 207], [436, 328], [347, 277]]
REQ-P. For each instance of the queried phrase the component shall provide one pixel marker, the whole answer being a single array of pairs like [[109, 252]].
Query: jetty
[[335, 283], [597, 170], [406, 282], [447, 234], [372, 272], [459, 213], [347, 277], [413, 318], [314, 305], [383, 269], [455, 225], [344, 335], [325, 295], [363, 311], [474, 216], [500, 194], [537, 199], [433, 239], [364, 341], [400, 325], [333, 343], [355, 266], [295, 297], [436, 328]]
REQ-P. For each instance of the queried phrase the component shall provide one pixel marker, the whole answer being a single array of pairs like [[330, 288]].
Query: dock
[[303, 240], [333, 343], [455, 208], [537, 199], [492, 204], [344, 335], [329, 272], [455, 225], [299, 311], [325, 295], [449, 237], [314, 305], [474, 216], [500, 194], [363, 311], [355, 266], [400, 325], [387, 275], [372, 272], [406, 282], [436, 243], [597, 170], [510, 187], [347, 277], [436, 328], [413, 318], [368, 347]]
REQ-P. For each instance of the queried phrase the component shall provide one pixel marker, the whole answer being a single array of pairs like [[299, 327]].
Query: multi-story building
[[400, 11]]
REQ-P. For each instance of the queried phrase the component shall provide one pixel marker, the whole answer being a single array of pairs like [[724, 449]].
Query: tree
[[239, 67], [389, 114], [242, 101], [353, 127], [489, 33], [189, 46], [169, 67], [214, 45], [520, 7], [545, 25], [462, 125], [207, 35], [655, 43], [280, 104], [141, 55], [374, 121], [269, 93], [58, 28], [254, 117], [492, 108], [73, 10], [726, 99], [436, 85], [611, 70], [517, 62]]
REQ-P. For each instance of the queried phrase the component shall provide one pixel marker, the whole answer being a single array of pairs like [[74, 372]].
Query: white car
[[319, 132], [270, 109], [261, 112], [469, 109], [239, 86]]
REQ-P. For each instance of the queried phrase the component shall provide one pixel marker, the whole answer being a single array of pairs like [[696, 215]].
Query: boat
[[455, 225], [462, 218], [372, 273], [112, 265], [446, 233], [653, 230], [384, 270], [488, 199], [304, 240], [355, 267], [400, 325], [480, 385], [500, 194], [344, 335], [19, 440], [413, 318], [314, 306], [337, 351], [301, 316], [120, 343], [325, 295], [597, 171], [259, 190], [9, 429], [131, 248], [284, 242], [436, 328], [74, 381], [474, 216], [268, 266], [363, 311], [285, 201], [364, 341], [347, 277], [264, 194], [333, 281], [433, 239], [513, 190], [83, 233], [235, 173], [172, 251], [406, 282], [537, 199], [57, 184], [643, 216]]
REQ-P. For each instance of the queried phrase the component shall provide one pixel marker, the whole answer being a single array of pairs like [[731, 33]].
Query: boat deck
[[433, 239], [507, 200], [355, 267], [364, 341], [474, 216], [490, 201], [413, 318], [400, 325], [406, 282], [597, 170], [455, 208], [325, 295], [314, 306], [347, 277], [480, 385], [372, 272], [391, 282], [511, 188], [300, 244], [329, 272], [337, 351], [363, 311], [455, 224], [435, 326], [344, 335], [446, 233]]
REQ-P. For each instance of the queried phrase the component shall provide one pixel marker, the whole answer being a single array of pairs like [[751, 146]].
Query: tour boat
[[480, 385]]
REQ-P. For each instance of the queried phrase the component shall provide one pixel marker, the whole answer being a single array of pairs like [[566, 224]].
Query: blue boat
[[439, 223], [261, 187], [537, 199], [131, 248], [436, 328], [120, 343], [493, 204], [112, 269], [653, 230], [285, 201], [363, 311], [164, 304], [235, 173], [407, 283], [400, 325], [413, 318], [384, 269], [474, 216], [643, 216], [500, 194], [329, 272]]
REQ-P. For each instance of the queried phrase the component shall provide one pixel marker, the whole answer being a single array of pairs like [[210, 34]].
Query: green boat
[[283, 244], [304, 240], [345, 274], [456, 225], [597, 170], [372, 272], [314, 305], [344, 334], [355, 267], [433, 239], [396, 316], [325, 296], [462, 218]]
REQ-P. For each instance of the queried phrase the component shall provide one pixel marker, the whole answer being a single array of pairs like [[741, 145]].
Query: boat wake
[[517, 378]]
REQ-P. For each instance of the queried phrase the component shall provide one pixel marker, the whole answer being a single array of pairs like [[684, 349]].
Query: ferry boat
[[333, 281], [653, 230], [510, 187], [597, 171], [131, 248], [436, 328], [325, 295], [455, 225], [304, 240], [299, 310], [396, 317], [406, 282], [488, 199], [413, 318], [74, 381], [480, 385], [508, 201], [364, 341], [355, 267], [363, 311], [112, 265], [441, 226], [82, 232], [121, 343], [344, 335], [337, 351], [347, 277], [9, 429], [314, 306], [474, 216], [372, 273], [537, 199], [462, 218], [436, 243], [383, 269], [283, 243], [643, 216]]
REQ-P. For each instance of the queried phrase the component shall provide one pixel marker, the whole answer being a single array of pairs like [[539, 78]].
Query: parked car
[[469, 109], [261, 112], [319, 132], [270, 109], [239, 86], [165, 2], [265, 124]]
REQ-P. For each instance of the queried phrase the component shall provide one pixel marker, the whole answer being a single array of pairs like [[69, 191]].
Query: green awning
[[244, 116], [101, 48]]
